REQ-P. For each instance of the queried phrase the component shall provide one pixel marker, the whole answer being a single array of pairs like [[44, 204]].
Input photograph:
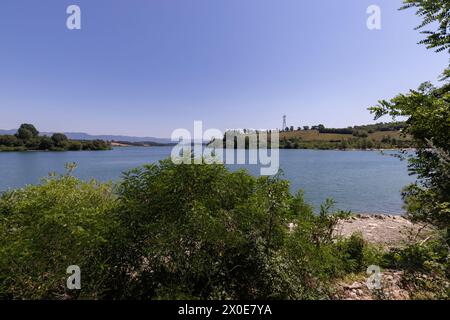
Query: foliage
[[27, 132], [60, 140], [199, 231], [173, 231], [428, 123], [27, 138], [46, 228], [426, 267], [179, 232], [428, 112], [433, 11]]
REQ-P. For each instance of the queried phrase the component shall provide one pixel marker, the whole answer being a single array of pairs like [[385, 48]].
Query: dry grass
[[315, 135]]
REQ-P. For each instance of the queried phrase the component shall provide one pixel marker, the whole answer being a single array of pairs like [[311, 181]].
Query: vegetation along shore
[[201, 231], [27, 138]]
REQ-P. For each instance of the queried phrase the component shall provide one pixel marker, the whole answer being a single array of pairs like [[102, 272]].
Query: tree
[[9, 141], [306, 128], [428, 122], [291, 128], [428, 112], [75, 146], [433, 11], [46, 143], [27, 132], [60, 140]]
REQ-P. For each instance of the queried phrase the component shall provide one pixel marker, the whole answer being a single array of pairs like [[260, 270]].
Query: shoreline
[[386, 230]]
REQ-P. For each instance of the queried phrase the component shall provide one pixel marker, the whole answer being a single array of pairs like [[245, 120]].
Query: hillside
[[314, 139], [374, 136], [315, 135]]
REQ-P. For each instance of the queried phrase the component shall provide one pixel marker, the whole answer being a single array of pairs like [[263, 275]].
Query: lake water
[[360, 181]]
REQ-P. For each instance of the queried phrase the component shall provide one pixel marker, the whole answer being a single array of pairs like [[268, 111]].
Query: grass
[[315, 135]]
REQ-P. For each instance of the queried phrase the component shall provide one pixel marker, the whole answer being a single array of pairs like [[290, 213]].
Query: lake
[[360, 181]]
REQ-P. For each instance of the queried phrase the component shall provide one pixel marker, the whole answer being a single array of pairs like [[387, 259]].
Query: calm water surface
[[361, 181]]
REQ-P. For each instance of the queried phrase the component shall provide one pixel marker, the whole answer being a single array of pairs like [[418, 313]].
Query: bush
[[418, 257], [200, 231], [427, 272], [46, 228], [170, 231], [75, 146]]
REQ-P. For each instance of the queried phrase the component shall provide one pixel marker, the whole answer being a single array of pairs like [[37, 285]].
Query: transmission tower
[[284, 123]]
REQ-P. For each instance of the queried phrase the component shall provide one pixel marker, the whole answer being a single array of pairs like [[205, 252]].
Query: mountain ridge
[[86, 136]]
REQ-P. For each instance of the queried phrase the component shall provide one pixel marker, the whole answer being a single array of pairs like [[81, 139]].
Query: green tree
[[46, 143], [75, 146], [427, 110], [9, 141], [60, 140], [27, 132], [24, 134], [433, 11]]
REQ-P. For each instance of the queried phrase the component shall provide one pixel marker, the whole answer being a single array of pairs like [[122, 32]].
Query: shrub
[[427, 272], [46, 228], [200, 231], [170, 231]]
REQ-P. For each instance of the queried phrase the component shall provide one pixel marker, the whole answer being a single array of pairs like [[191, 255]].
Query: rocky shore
[[386, 230]]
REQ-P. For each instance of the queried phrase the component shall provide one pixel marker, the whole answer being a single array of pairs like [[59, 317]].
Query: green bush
[[427, 272], [170, 231], [419, 257], [200, 231], [46, 228]]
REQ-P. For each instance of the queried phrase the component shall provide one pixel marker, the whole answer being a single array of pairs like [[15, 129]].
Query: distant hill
[[374, 136], [10, 132], [85, 136]]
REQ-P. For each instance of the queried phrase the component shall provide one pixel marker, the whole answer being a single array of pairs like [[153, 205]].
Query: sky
[[148, 67]]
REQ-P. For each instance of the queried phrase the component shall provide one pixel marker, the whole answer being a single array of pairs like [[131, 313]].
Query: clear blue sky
[[147, 67]]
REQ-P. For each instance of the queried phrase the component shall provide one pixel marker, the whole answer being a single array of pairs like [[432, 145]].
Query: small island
[[28, 138]]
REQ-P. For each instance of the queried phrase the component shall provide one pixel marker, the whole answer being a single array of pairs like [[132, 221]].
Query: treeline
[[28, 138], [356, 130]]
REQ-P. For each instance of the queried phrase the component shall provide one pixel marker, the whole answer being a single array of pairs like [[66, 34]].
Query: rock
[[355, 285]]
